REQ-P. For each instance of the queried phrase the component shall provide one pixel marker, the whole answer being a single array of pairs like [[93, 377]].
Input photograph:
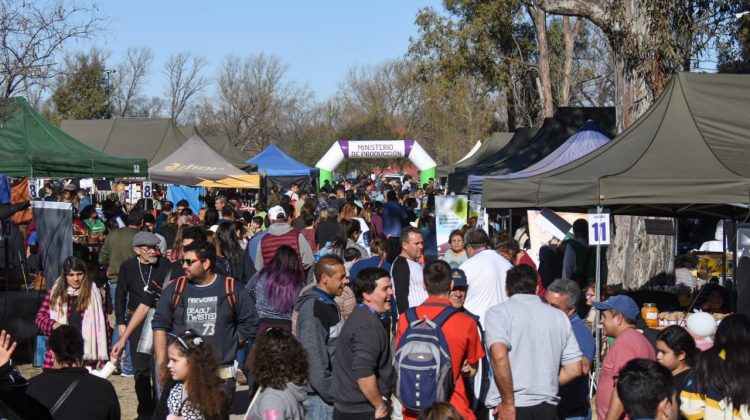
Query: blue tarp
[[4, 189], [176, 193], [587, 139], [274, 162]]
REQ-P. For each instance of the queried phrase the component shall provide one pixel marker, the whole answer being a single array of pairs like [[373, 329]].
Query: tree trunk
[[570, 32], [634, 257], [539, 17]]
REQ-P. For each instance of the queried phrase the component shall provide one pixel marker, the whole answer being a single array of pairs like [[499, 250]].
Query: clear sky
[[318, 40]]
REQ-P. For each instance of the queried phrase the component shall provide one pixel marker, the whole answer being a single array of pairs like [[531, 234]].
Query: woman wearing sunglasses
[[193, 388]]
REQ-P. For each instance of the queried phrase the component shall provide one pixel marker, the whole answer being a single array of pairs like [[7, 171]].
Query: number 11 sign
[[599, 231]]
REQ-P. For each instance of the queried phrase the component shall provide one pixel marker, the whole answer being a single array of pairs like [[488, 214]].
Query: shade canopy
[[553, 133], [275, 163], [30, 145], [152, 139], [586, 140], [197, 164], [488, 146], [457, 181], [221, 145], [688, 154]]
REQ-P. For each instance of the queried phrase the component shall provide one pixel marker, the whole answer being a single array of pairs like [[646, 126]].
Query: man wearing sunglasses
[[206, 304]]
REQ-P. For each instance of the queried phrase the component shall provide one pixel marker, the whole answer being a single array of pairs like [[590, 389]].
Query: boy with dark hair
[[317, 326], [362, 368], [646, 390]]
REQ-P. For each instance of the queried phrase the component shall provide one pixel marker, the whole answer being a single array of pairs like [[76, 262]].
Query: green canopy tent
[[687, 155], [33, 146], [152, 139]]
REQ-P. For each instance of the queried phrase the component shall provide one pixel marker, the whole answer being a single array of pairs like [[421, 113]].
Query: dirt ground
[[123, 387], [126, 393]]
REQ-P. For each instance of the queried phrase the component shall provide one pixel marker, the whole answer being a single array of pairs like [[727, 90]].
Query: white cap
[[276, 211]]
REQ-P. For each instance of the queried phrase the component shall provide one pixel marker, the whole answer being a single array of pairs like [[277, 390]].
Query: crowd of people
[[339, 305]]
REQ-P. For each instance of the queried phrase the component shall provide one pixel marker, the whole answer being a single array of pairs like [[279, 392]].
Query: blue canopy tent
[[587, 139], [281, 170]]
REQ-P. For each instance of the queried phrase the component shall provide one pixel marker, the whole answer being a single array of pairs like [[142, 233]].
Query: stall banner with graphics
[[540, 236], [451, 212]]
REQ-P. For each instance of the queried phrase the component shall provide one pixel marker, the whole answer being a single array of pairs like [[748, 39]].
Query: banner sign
[[451, 212], [542, 230], [375, 148]]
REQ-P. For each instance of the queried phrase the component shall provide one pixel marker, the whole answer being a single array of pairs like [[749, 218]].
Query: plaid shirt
[[45, 323]]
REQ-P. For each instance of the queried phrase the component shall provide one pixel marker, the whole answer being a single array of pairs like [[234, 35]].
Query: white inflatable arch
[[379, 149]]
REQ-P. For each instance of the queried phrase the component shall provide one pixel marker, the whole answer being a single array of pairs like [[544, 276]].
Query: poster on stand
[[451, 212], [541, 231]]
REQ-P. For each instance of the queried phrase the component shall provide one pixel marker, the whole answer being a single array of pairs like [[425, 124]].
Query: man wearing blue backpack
[[436, 345]]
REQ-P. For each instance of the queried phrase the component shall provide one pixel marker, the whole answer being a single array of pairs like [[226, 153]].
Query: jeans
[[127, 365], [316, 408], [144, 389], [586, 417]]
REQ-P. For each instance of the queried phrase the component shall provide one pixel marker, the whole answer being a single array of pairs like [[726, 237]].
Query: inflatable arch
[[379, 149]]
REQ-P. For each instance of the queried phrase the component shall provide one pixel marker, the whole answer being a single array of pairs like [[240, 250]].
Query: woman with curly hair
[[279, 363], [194, 390]]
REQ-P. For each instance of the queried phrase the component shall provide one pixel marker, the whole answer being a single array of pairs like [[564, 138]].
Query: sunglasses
[[196, 340], [190, 261]]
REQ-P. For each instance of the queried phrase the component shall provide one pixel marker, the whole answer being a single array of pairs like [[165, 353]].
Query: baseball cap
[[276, 211], [145, 238], [622, 304], [459, 278]]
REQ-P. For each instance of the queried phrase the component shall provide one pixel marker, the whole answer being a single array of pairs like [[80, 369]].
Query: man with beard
[[135, 276], [215, 306]]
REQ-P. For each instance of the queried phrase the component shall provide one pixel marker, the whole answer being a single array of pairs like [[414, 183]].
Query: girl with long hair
[[193, 388], [719, 387], [231, 259], [676, 350], [175, 252], [76, 301], [279, 363], [276, 287]]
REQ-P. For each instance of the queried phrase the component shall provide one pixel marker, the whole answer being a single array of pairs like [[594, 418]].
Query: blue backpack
[[422, 362]]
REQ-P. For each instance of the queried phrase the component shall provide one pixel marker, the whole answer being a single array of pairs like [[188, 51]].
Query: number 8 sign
[[147, 190], [599, 230]]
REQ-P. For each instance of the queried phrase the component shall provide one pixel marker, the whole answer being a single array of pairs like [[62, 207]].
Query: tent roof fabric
[[33, 146], [149, 138], [197, 164], [490, 145], [586, 140], [551, 135], [274, 162], [221, 145], [457, 181], [687, 154]]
